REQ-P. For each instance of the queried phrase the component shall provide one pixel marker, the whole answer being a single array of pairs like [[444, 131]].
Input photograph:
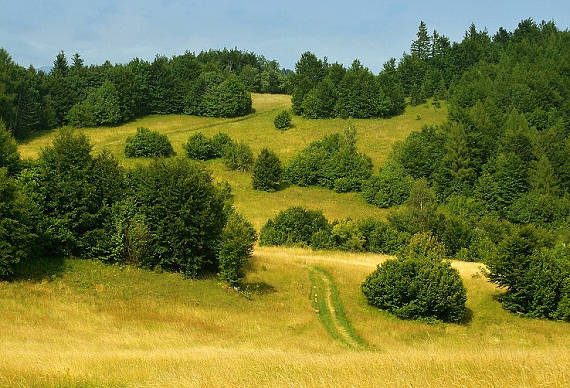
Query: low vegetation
[[283, 120], [146, 143]]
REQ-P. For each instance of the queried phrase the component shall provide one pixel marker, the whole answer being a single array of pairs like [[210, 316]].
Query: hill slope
[[375, 138]]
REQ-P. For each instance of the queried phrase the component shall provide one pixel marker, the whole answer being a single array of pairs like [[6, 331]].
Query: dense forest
[[212, 83]]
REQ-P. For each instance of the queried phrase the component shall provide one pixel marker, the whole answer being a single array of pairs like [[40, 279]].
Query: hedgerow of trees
[[211, 83]]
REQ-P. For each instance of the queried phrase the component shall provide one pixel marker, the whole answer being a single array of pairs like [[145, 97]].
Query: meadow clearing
[[88, 324]]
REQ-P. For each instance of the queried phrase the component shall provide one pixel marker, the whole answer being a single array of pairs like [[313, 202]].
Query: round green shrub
[[199, 147], [391, 187], [294, 226], [184, 214], [418, 284], [238, 156], [228, 99], [146, 143], [267, 171], [219, 142], [283, 120]]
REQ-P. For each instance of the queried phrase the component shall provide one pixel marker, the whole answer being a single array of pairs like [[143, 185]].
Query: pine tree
[[421, 47]]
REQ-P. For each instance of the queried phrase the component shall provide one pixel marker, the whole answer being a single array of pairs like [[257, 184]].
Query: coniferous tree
[[421, 47]]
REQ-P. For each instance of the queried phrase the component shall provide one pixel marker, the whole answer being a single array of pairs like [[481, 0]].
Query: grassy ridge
[[97, 325], [375, 138]]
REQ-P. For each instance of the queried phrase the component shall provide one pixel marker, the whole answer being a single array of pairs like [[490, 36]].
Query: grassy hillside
[[96, 325], [375, 138]]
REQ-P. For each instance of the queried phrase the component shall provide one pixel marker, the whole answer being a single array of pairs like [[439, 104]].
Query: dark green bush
[[267, 171], [238, 156], [534, 275], [219, 142], [391, 187], [333, 162], [228, 99], [9, 156], [16, 234], [418, 285], [146, 143], [294, 226], [235, 248], [283, 120], [199, 147], [74, 193], [380, 237], [183, 212], [101, 107]]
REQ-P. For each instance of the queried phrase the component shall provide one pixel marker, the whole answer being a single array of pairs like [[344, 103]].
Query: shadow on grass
[[257, 288], [41, 269], [468, 317]]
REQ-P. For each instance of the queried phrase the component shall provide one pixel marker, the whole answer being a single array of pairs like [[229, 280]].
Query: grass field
[[97, 325], [375, 138], [92, 325]]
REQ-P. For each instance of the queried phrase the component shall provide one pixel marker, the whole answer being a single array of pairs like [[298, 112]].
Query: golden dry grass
[[97, 325]]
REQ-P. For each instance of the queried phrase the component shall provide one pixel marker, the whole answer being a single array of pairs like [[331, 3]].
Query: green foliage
[[146, 143], [294, 226], [16, 233], [74, 193], [101, 107], [535, 277], [267, 171], [391, 187], [235, 248], [238, 156], [199, 147], [9, 156], [228, 99], [333, 162], [219, 142], [283, 120], [418, 285], [183, 213]]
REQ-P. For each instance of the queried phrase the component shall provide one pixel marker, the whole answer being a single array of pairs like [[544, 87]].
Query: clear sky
[[34, 31]]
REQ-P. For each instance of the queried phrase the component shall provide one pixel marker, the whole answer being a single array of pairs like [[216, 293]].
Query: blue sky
[[33, 32]]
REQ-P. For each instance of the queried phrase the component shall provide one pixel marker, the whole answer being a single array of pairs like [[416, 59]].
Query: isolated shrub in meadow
[[146, 143], [9, 156], [267, 171], [238, 156], [199, 147], [418, 285], [294, 226], [16, 234], [283, 120], [184, 213], [235, 248], [390, 187]]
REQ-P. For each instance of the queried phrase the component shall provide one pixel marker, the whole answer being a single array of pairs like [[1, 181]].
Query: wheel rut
[[325, 300]]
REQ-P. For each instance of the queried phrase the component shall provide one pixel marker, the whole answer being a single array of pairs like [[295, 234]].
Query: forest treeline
[[218, 82], [211, 83]]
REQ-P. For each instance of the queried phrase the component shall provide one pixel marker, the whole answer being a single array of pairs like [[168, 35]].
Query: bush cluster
[[333, 162], [418, 284], [267, 171], [146, 143], [201, 148], [294, 226], [168, 214], [282, 120], [299, 226], [238, 156], [390, 187]]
